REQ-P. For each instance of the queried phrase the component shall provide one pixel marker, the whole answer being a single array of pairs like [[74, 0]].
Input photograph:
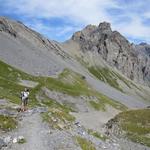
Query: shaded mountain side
[[115, 50]]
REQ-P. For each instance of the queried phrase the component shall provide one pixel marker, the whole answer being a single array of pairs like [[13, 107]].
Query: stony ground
[[38, 136]]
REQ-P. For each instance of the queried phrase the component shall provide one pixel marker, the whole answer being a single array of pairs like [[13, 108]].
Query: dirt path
[[34, 131], [38, 135]]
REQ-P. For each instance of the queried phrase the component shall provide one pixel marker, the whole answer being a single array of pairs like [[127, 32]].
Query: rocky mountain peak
[[143, 48], [6, 26], [143, 43], [105, 27], [116, 50]]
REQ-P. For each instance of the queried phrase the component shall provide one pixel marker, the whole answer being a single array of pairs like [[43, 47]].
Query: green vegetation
[[70, 83], [104, 100], [136, 124], [105, 75], [85, 144], [67, 82], [22, 141], [58, 116], [97, 134], [79, 86], [9, 83], [7, 123], [97, 105], [110, 77]]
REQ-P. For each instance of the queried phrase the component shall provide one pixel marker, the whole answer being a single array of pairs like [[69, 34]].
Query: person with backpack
[[24, 99]]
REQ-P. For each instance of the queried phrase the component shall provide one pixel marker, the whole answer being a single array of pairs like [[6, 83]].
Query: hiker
[[24, 99]]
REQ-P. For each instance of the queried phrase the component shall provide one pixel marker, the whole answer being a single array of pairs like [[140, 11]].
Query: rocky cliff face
[[116, 51], [143, 48]]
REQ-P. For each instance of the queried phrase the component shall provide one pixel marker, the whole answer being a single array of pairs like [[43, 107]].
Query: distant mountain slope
[[28, 50], [112, 47], [34, 54], [143, 48]]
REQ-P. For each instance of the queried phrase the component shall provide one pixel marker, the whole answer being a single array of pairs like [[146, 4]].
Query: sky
[[59, 19]]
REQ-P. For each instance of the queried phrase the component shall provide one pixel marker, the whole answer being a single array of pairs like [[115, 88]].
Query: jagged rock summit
[[116, 50]]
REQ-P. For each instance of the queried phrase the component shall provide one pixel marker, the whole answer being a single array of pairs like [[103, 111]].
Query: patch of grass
[[97, 135], [104, 100], [10, 88], [22, 141], [85, 144], [105, 75], [7, 123], [70, 83], [67, 82], [136, 124], [58, 116], [110, 77], [97, 105], [80, 87]]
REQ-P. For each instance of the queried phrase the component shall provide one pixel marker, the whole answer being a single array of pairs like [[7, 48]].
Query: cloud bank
[[58, 19]]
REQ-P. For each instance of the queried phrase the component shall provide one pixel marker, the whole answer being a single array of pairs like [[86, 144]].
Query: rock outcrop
[[116, 50], [143, 48]]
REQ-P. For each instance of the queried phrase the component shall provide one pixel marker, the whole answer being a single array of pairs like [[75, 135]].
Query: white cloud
[[83, 12], [147, 15], [135, 29], [52, 32]]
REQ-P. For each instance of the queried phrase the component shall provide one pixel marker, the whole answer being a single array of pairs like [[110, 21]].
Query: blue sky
[[59, 19]]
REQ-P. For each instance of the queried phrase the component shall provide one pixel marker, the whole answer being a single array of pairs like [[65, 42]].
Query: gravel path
[[35, 132], [38, 135]]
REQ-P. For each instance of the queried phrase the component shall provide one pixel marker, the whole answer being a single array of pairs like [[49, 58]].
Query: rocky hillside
[[23, 47], [29, 51], [143, 48], [116, 51]]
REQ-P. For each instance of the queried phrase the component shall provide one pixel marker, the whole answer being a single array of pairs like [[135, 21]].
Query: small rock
[[61, 126], [83, 133], [8, 112], [104, 147], [2, 143], [50, 132], [20, 138], [15, 140], [78, 124], [16, 107], [7, 140]]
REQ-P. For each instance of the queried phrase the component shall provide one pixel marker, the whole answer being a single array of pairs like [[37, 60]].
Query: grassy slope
[[7, 123], [68, 82], [97, 134], [110, 77], [10, 89], [136, 124], [58, 115], [85, 144]]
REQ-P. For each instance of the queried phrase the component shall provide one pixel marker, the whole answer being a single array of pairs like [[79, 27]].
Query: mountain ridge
[[29, 51], [116, 50]]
